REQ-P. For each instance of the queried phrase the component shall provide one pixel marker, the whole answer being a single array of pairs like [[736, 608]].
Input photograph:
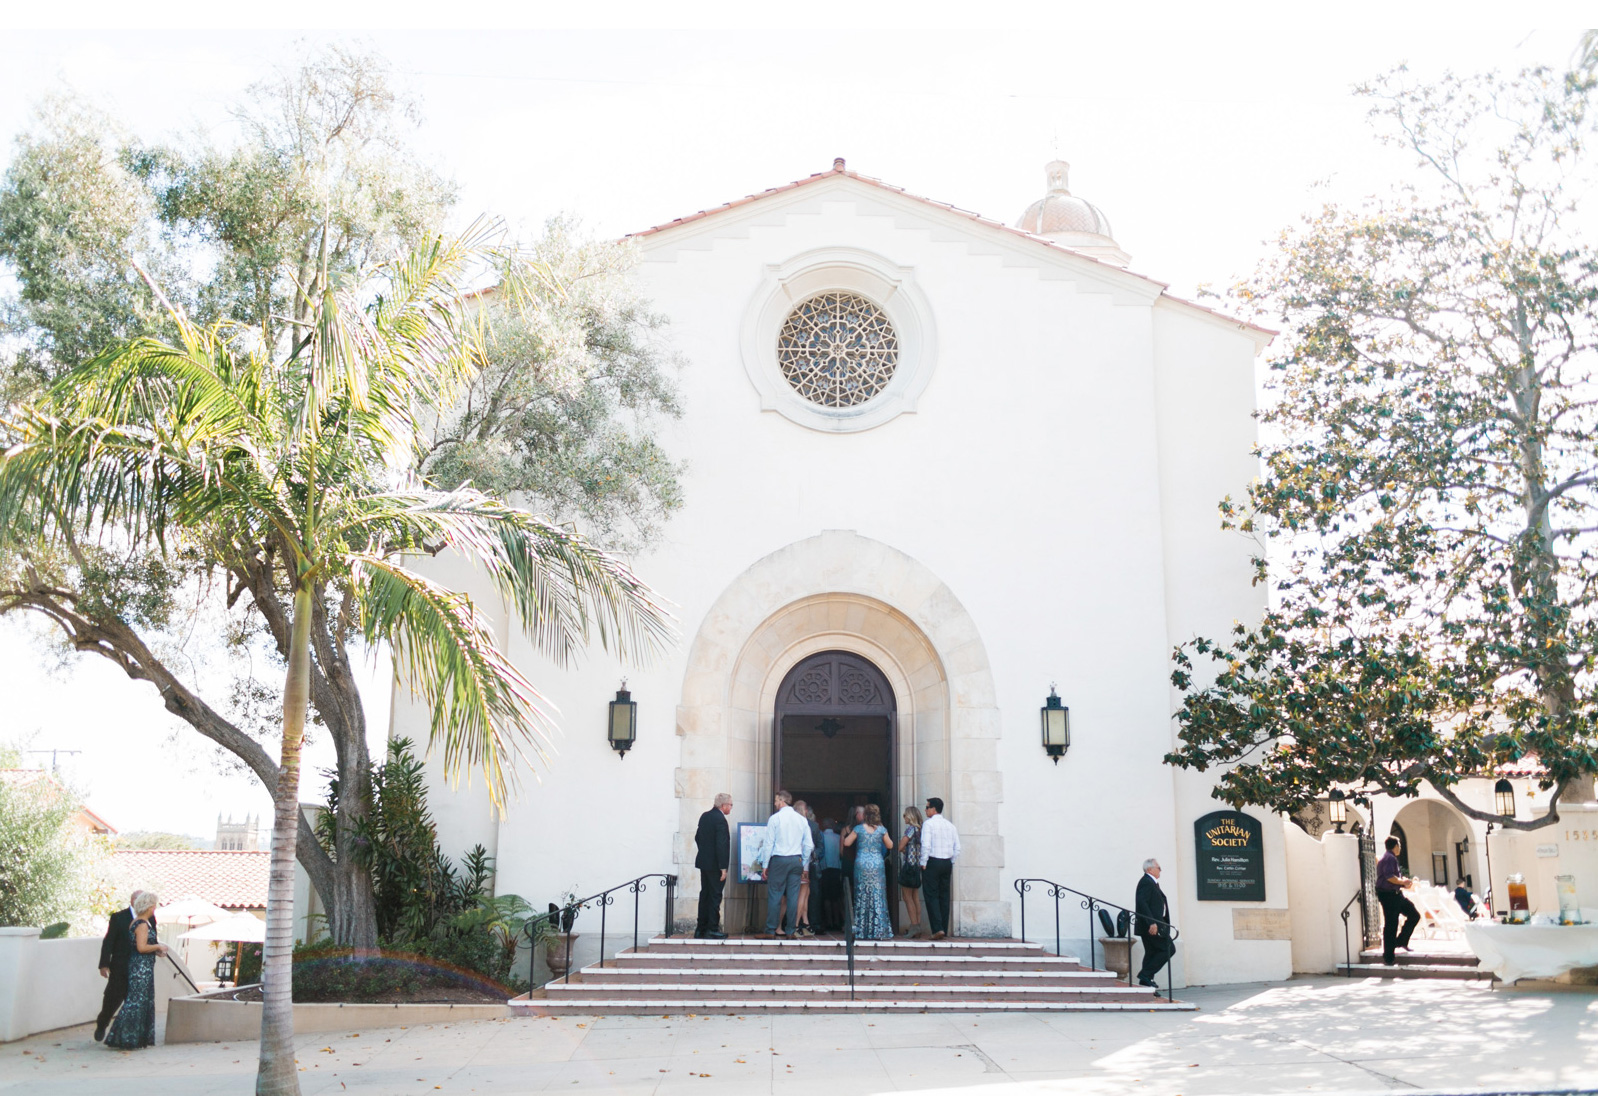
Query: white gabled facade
[[1030, 500]]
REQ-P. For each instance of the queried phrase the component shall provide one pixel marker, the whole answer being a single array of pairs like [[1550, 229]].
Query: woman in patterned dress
[[871, 920], [134, 1026], [910, 869]]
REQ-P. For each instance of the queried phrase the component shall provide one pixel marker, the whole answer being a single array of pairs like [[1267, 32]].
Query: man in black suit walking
[[1153, 924], [115, 950], [714, 842]]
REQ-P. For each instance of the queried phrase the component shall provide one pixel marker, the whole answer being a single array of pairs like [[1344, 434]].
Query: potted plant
[[554, 930]]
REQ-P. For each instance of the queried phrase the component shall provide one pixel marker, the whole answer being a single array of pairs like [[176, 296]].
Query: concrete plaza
[[1308, 1034]]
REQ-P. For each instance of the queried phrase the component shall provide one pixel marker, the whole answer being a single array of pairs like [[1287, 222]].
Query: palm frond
[[484, 712], [562, 588]]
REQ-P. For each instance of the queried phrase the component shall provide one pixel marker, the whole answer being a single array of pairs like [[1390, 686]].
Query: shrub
[[326, 973], [46, 864]]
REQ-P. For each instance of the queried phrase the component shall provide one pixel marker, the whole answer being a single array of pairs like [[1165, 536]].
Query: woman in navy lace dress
[[134, 1026], [870, 877]]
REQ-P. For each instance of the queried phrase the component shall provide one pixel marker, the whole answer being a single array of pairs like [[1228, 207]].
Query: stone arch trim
[[846, 592]]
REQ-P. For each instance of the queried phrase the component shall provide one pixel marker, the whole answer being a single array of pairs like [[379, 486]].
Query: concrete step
[[1451, 971], [784, 963], [863, 975], [811, 974], [665, 1005], [1421, 958]]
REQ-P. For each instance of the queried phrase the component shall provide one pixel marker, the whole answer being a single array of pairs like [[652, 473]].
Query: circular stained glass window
[[837, 349]]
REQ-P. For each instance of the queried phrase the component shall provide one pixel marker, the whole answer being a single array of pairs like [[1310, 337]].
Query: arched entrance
[[835, 736], [1437, 843], [843, 592]]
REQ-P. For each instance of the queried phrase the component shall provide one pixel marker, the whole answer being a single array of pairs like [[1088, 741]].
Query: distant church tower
[[242, 836]]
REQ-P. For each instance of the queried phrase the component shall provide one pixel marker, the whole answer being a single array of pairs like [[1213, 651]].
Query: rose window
[[837, 349]]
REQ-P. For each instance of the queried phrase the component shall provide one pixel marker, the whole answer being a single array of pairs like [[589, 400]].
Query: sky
[[1201, 131]]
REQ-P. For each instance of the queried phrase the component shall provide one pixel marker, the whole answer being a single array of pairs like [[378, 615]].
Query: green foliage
[[71, 218], [425, 904], [56, 931], [320, 311], [46, 863], [249, 972], [323, 972], [1429, 500], [562, 414]]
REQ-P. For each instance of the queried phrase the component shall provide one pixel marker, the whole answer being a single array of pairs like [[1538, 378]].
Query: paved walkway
[[1311, 1034]]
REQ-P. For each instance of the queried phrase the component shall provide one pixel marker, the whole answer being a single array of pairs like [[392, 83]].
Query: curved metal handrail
[[565, 917], [1348, 954], [1091, 904]]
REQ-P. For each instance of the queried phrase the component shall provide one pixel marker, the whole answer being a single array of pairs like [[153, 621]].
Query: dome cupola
[[1066, 219]]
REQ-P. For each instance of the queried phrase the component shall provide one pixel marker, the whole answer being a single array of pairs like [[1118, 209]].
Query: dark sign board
[[1230, 850]]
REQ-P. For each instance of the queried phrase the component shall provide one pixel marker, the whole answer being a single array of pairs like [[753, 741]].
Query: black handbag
[[910, 864]]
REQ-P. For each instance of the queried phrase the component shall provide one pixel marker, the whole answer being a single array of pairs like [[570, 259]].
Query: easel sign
[[751, 838]]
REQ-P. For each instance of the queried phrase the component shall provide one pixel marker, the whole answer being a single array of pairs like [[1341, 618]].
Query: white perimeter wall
[[1322, 875], [49, 984]]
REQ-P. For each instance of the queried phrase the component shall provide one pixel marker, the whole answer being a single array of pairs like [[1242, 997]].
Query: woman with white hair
[[134, 1026]]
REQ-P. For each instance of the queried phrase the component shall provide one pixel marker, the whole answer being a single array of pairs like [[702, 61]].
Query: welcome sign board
[[1230, 850]]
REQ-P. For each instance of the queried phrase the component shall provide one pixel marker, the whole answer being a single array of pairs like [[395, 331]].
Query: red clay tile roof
[[235, 880], [839, 170], [1528, 766]]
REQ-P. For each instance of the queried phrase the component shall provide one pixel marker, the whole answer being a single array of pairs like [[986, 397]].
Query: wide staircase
[[748, 974]]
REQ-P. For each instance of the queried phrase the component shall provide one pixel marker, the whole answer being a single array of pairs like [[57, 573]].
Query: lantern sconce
[[623, 729], [1504, 798], [1337, 808], [1056, 726]]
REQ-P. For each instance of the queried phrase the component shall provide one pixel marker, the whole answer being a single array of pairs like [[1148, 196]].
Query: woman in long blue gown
[[871, 921], [134, 1026]]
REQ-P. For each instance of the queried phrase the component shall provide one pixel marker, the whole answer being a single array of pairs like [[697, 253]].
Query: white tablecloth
[[1539, 950]]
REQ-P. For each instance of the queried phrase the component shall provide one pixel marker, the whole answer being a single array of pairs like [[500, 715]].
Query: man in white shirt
[[785, 851], [940, 845]]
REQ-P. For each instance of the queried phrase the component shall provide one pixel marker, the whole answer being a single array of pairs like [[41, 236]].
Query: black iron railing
[[1348, 954], [177, 966], [848, 929], [564, 918], [1088, 902]]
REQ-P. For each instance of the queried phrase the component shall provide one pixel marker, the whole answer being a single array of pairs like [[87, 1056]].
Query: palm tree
[[303, 454]]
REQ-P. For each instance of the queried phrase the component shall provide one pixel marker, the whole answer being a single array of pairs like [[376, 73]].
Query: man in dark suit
[[1153, 924], [115, 950], [714, 842]]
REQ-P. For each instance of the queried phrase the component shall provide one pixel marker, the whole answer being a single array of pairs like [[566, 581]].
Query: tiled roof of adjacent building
[[235, 880]]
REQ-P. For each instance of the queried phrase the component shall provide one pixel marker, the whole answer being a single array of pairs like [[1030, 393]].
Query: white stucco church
[[937, 465]]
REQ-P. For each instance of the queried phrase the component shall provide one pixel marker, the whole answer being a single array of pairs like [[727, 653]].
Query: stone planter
[[557, 953], [1117, 954], [213, 1017]]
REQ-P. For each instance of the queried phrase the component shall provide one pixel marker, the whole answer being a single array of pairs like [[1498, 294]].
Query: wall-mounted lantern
[[1056, 726], [1504, 798], [1337, 806], [623, 730]]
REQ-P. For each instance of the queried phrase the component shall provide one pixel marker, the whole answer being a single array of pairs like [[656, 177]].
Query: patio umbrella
[[240, 927], [236, 926], [190, 910]]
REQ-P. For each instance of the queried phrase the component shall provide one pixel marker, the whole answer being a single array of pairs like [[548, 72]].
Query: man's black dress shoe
[[1149, 982], [712, 934], [99, 1033]]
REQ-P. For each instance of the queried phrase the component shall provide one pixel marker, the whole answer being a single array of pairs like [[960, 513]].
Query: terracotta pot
[[557, 953]]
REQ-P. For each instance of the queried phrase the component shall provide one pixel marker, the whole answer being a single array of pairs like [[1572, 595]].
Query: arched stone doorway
[[841, 592], [836, 725]]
